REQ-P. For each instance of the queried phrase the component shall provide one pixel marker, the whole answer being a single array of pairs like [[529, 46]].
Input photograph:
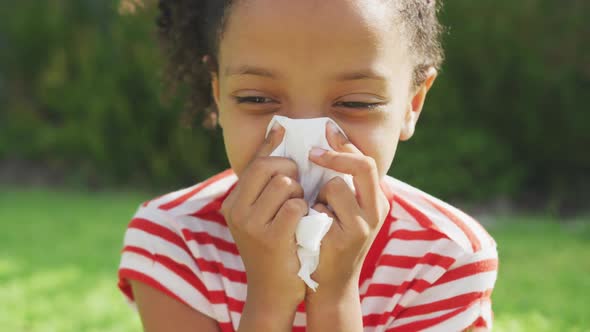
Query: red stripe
[[204, 238], [181, 199], [385, 187], [381, 240], [375, 319], [478, 323], [204, 265], [376, 250], [150, 227], [446, 304], [212, 210], [468, 270], [214, 297], [179, 269], [408, 262], [422, 235], [426, 323], [219, 268], [201, 238], [226, 327], [387, 290], [420, 217], [475, 244], [127, 274]]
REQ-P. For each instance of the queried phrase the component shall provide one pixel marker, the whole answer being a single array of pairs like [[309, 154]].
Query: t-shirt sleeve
[[459, 300], [155, 253]]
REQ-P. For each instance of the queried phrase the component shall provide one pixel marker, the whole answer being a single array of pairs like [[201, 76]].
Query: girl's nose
[[306, 111]]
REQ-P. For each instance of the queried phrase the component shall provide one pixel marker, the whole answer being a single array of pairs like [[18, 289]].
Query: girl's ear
[[209, 63], [412, 112]]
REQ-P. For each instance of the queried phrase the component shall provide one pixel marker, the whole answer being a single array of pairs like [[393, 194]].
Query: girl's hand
[[262, 213], [357, 218]]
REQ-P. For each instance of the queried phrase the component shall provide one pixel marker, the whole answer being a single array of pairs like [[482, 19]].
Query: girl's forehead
[[344, 33], [320, 17]]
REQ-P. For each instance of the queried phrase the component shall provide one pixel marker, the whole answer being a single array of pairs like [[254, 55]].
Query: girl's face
[[345, 60]]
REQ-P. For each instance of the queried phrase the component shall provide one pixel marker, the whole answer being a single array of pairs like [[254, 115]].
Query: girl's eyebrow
[[364, 74], [251, 70]]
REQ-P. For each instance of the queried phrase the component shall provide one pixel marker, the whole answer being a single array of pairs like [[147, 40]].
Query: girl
[[221, 255]]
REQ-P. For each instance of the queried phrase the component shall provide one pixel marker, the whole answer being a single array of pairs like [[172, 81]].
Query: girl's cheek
[[243, 136]]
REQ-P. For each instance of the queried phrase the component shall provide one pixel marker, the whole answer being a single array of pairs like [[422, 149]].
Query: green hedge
[[79, 90]]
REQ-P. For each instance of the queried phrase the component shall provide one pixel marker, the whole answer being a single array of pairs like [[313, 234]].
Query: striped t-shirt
[[431, 267]]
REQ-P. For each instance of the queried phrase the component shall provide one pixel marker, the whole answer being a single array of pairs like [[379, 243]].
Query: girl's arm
[[334, 310], [161, 313]]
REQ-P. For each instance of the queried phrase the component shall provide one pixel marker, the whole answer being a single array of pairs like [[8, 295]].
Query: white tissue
[[300, 136]]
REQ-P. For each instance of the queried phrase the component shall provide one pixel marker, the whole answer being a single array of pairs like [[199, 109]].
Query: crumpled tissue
[[301, 135]]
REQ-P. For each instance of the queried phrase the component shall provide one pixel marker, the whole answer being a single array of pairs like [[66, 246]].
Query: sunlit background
[[85, 138]]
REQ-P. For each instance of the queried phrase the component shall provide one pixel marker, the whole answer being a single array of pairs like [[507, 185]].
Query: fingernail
[[332, 128], [276, 126], [316, 152]]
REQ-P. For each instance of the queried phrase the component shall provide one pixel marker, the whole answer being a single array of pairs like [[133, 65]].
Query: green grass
[[59, 253]]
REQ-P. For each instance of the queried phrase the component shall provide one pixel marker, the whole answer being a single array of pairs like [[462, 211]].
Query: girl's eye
[[263, 100], [360, 105], [251, 100]]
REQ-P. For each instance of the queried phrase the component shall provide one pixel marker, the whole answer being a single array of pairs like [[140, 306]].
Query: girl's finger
[[322, 208], [259, 173], [362, 168], [271, 141], [338, 141], [340, 197], [278, 190], [287, 218]]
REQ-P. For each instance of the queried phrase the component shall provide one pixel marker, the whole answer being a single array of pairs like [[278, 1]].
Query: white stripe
[[235, 319], [194, 224], [395, 275], [419, 248], [414, 195], [174, 283], [484, 254], [213, 281], [205, 196], [218, 281], [475, 283], [397, 211], [443, 222], [300, 319], [392, 322], [391, 276], [365, 285], [486, 313], [207, 251], [458, 322], [211, 253], [479, 231], [168, 197]]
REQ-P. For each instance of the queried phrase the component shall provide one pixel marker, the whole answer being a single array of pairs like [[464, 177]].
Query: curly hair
[[189, 32]]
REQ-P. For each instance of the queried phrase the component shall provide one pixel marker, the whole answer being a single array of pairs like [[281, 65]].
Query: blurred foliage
[[79, 90]]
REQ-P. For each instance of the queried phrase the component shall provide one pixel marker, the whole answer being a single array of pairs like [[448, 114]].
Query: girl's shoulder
[[191, 199], [414, 209], [180, 244]]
